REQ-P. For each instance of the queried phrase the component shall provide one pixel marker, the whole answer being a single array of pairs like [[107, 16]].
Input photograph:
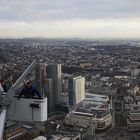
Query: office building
[[49, 93], [54, 72], [76, 90], [40, 76]]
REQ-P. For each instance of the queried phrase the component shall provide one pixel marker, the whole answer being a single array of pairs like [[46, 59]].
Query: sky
[[70, 18]]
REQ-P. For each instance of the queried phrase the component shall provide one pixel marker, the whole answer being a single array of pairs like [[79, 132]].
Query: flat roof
[[94, 105], [134, 117], [96, 95], [137, 111], [94, 114]]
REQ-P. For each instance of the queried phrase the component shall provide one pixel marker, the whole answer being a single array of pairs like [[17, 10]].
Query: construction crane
[[7, 99]]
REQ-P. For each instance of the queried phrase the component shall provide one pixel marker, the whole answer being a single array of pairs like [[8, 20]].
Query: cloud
[[34, 10], [70, 18], [72, 28]]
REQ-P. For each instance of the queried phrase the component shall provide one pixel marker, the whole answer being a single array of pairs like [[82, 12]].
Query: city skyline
[[68, 19]]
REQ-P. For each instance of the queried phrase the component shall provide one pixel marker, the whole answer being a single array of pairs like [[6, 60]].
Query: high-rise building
[[40, 77], [54, 72], [49, 93], [76, 90]]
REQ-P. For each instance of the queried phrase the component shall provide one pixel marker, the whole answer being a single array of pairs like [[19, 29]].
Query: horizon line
[[76, 38]]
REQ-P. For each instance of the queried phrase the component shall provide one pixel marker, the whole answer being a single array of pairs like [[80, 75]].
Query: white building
[[29, 110], [76, 90]]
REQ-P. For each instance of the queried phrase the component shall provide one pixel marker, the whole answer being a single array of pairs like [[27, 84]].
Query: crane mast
[[7, 99], [2, 123]]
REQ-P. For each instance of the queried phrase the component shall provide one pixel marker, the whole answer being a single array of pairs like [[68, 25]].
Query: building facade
[[86, 119], [93, 111], [49, 93], [40, 77], [133, 120], [54, 72], [76, 90]]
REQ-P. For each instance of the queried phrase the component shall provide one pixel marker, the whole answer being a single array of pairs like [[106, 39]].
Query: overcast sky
[[70, 18]]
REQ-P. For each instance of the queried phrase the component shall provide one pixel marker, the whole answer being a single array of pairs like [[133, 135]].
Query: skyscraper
[[40, 77], [76, 90], [54, 72], [49, 93]]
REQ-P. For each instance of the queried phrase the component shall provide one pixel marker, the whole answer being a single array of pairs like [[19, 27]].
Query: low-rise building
[[94, 113], [133, 120]]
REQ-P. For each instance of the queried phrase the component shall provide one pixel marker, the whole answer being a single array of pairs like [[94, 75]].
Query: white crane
[[7, 99]]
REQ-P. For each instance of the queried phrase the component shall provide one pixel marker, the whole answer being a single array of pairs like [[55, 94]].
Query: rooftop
[[136, 111], [134, 117], [94, 105]]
